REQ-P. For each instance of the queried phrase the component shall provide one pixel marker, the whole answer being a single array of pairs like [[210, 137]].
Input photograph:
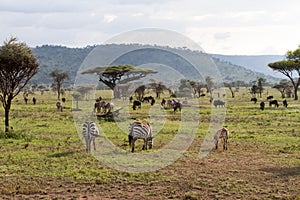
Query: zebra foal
[[90, 132], [140, 130], [222, 134]]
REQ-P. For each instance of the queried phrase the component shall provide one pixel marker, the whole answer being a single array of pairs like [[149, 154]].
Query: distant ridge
[[258, 63], [232, 68]]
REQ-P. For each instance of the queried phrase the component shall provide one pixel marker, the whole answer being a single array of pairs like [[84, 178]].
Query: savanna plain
[[44, 156]]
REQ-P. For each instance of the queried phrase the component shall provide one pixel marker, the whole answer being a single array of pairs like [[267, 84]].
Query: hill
[[258, 63], [70, 59]]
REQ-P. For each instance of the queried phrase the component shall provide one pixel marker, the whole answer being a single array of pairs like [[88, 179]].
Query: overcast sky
[[218, 26]]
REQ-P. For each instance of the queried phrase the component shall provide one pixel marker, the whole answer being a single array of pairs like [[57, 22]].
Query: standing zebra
[[140, 130], [223, 134], [90, 132]]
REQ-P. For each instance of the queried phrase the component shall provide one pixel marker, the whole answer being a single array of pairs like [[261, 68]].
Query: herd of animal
[[271, 102]]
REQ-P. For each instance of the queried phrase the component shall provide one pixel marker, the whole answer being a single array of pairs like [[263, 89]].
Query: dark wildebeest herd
[[271, 102]]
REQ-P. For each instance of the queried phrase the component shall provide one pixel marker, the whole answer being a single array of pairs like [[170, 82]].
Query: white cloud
[[229, 26], [108, 18]]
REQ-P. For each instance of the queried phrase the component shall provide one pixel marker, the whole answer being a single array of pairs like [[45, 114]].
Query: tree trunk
[[6, 119], [295, 93]]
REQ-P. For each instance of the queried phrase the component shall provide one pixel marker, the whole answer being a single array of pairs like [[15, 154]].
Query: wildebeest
[[177, 106], [219, 103], [63, 99], [269, 97], [285, 104], [59, 106], [130, 99], [254, 99], [152, 101], [148, 99], [223, 134], [262, 105], [202, 95], [34, 100], [136, 104], [274, 102], [163, 102]]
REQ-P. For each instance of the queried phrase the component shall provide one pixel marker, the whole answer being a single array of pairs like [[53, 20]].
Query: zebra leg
[[132, 145], [87, 144], [217, 144], [94, 144]]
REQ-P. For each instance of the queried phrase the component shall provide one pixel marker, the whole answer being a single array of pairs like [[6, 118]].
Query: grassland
[[44, 157]]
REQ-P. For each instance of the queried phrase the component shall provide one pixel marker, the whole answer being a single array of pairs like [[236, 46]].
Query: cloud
[[222, 35], [108, 18]]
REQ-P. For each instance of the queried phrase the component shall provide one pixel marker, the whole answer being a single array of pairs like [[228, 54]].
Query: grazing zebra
[[90, 132], [140, 130], [223, 134]]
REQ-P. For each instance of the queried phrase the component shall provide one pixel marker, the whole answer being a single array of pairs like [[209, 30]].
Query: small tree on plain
[[17, 66], [58, 79]]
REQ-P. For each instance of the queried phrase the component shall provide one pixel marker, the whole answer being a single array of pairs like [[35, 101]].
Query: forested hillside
[[70, 59]]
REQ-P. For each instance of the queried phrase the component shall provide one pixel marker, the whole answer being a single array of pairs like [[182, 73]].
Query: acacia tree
[[283, 87], [230, 87], [158, 86], [58, 79], [288, 66], [17, 66], [121, 74]]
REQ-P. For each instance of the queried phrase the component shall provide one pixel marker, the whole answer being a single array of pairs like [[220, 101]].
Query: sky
[[231, 27]]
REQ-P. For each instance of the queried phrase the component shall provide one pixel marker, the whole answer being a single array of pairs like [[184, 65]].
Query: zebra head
[[150, 142]]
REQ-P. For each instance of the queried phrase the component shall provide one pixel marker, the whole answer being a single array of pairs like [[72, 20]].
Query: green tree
[[17, 66], [283, 86], [260, 88], [113, 75], [288, 66], [58, 79]]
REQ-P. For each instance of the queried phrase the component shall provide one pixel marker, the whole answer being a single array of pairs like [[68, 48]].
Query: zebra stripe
[[138, 130], [90, 132]]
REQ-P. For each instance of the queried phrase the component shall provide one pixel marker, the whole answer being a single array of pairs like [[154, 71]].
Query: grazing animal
[[223, 134], [269, 97], [136, 104], [274, 102], [34, 100], [140, 130], [262, 105], [59, 106], [130, 99], [177, 105], [202, 95], [285, 104], [219, 103], [254, 99], [152, 102], [109, 107], [25, 99], [163, 102], [90, 132], [63, 100]]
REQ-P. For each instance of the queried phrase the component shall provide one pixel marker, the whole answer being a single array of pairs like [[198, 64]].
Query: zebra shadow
[[61, 154]]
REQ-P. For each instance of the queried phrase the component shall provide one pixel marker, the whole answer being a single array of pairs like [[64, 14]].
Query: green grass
[[43, 156]]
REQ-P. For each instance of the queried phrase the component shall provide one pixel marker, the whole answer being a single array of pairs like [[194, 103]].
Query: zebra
[[90, 132], [223, 134], [140, 130]]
